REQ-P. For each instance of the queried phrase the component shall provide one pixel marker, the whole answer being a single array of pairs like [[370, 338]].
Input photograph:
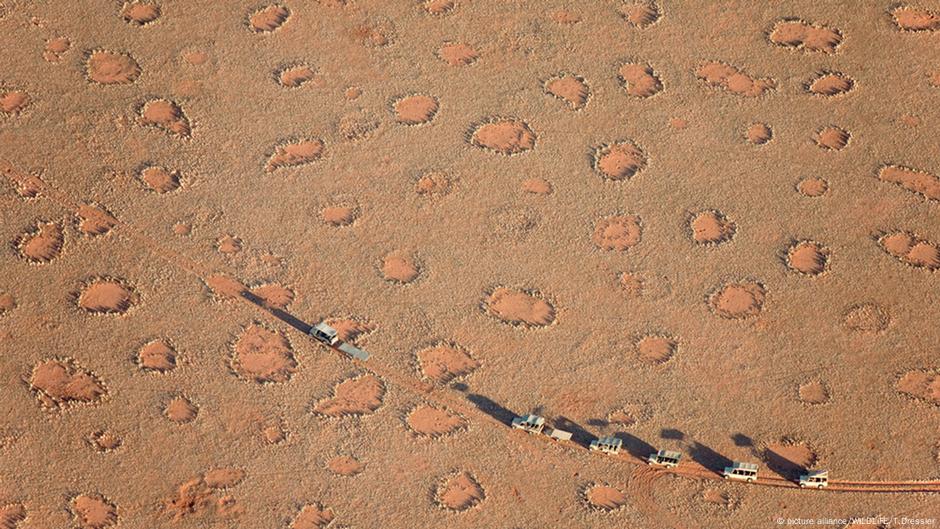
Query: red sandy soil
[[605, 498], [808, 257], [157, 356], [263, 355], [639, 80], [712, 227], [312, 516], [759, 133], [457, 54], [41, 244], [460, 492], [709, 227], [504, 136], [434, 422], [94, 512], [354, 396], [442, 363], [619, 161], [345, 466]]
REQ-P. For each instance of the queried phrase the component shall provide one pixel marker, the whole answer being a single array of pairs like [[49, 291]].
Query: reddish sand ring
[[619, 161], [41, 245], [911, 250], [108, 67], [711, 227], [830, 84], [62, 382], [313, 516], [920, 182], [733, 80], [263, 355], [808, 258], [618, 232], [354, 396], [604, 498], [518, 307], [268, 19], [94, 511], [920, 384], [106, 295], [165, 115], [570, 88], [428, 421], [503, 136], [805, 36], [738, 300], [639, 79], [445, 362], [295, 154], [459, 493]]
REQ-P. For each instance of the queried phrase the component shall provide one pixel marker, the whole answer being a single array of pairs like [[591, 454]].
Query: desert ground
[[709, 227]]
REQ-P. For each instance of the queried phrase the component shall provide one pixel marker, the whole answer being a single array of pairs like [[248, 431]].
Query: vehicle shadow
[[708, 458], [783, 466], [280, 314], [491, 408], [635, 446], [672, 434], [578, 434]]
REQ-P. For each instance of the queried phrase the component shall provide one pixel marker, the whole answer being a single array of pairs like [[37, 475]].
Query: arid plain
[[704, 226]]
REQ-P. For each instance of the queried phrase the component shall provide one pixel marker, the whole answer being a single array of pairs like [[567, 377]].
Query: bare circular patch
[[415, 109], [618, 232], [866, 318], [656, 349], [108, 67], [813, 187], [832, 138], [758, 133], [808, 258], [604, 498], [711, 227], [105, 295], [519, 307], [738, 300], [263, 355], [459, 493], [268, 18], [434, 422], [506, 136], [619, 161]]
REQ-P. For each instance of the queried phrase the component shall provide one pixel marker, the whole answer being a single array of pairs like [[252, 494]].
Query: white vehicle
[[560, 435], [816, 479], [608, 445], [529, 423], [741, 471], [665, 458], [324, 333]]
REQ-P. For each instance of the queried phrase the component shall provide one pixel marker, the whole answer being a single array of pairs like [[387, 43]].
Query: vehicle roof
[[744, 466], [322, 326], [610, 439], [669, 453], [817, 474], [533, 418]]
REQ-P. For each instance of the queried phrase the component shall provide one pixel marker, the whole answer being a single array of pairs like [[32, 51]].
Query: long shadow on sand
[[782, 465], [282, 315], [708, 458], [635, 446], [491, 408], [578, 434]]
